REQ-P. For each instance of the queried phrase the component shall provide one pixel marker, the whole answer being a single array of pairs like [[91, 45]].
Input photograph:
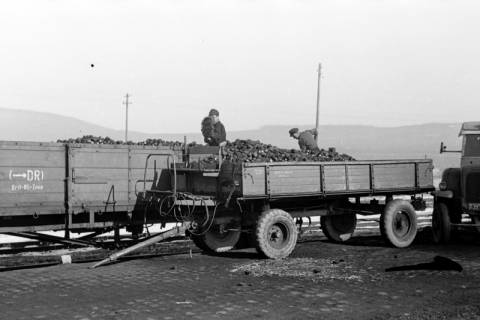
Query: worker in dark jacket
[[306, 139], [207, 129], [218, 136]]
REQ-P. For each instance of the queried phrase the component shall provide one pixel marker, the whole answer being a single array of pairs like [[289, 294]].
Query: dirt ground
[[321, 280]]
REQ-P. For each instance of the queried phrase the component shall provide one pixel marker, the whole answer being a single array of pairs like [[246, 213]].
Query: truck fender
[[452, 178], [443, 194]]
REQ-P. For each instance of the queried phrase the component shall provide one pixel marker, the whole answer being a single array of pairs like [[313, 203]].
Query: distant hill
[[362, 142]]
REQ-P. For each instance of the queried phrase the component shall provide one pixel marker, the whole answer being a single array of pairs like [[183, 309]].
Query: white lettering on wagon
[[26, 180], [27, 187]]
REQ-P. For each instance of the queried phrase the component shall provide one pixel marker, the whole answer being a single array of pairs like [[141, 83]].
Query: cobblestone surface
[[221, 287]]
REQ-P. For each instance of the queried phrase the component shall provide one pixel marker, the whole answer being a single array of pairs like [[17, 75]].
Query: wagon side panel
[[101, 173], [95, 171], [32, 186]]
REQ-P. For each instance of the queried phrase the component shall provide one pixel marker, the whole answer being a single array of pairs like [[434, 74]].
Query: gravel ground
[[320, 280]]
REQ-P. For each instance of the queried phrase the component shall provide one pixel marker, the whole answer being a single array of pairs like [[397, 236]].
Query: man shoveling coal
[[306, 139]]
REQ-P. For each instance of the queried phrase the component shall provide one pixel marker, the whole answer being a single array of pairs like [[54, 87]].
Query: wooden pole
[[318, 100], [126, 103]]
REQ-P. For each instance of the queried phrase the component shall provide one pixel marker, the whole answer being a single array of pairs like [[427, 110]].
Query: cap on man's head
[[213, 112], [293, 131]]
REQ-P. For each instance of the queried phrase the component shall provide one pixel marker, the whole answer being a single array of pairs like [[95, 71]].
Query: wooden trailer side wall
[[358, 177], [425, 174], [254, 181], [394, 176], [335, 178], [296, 179]]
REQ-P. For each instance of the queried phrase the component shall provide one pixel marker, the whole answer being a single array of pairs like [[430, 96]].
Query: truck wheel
[[476, 220], [441, 227], [215, 241], [275, 234], [398, 223], [339, 228]]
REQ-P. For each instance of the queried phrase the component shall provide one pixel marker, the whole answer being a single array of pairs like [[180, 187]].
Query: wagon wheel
[[441, 224], [339, 228], [275, 234], [398, 223], [215, 240]]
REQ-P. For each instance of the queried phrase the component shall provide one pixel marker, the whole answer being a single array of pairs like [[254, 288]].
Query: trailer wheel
[[398, 223], [275, 234], [339, 228], [215, 241], [199, 242], [441, 224]]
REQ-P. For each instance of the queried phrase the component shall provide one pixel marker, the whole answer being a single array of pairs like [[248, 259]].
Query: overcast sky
[[385, 63]]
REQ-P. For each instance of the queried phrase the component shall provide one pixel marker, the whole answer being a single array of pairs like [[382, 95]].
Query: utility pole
[[126, 103], [318, 99]]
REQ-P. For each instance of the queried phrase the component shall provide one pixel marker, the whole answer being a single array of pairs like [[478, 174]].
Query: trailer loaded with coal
[[238, 203]]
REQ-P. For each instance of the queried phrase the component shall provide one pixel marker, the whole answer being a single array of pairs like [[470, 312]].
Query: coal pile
[[255, 151], [237, 151], [89, 139], [160, 142]]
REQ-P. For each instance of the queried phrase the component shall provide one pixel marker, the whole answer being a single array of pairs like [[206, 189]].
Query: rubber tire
[[200, 243], [273, 222], [476, 220], [339, 228], [389, 223], [213, 241], [441, 224], [455, 211]]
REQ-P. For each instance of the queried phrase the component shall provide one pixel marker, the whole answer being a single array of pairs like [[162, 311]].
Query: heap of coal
[[256, 151], [238, 150], [89, 139]]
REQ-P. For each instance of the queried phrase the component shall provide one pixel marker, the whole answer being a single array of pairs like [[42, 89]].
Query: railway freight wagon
[[52, 186], [262, 205]]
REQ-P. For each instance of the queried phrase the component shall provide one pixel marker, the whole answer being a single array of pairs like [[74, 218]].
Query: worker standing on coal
[[217, 135], [306, 139], [207, 129]]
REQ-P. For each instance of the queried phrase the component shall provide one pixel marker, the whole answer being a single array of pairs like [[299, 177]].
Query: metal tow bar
[[159, 237]]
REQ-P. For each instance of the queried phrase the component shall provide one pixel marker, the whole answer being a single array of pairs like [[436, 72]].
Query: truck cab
[[459, 189]]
